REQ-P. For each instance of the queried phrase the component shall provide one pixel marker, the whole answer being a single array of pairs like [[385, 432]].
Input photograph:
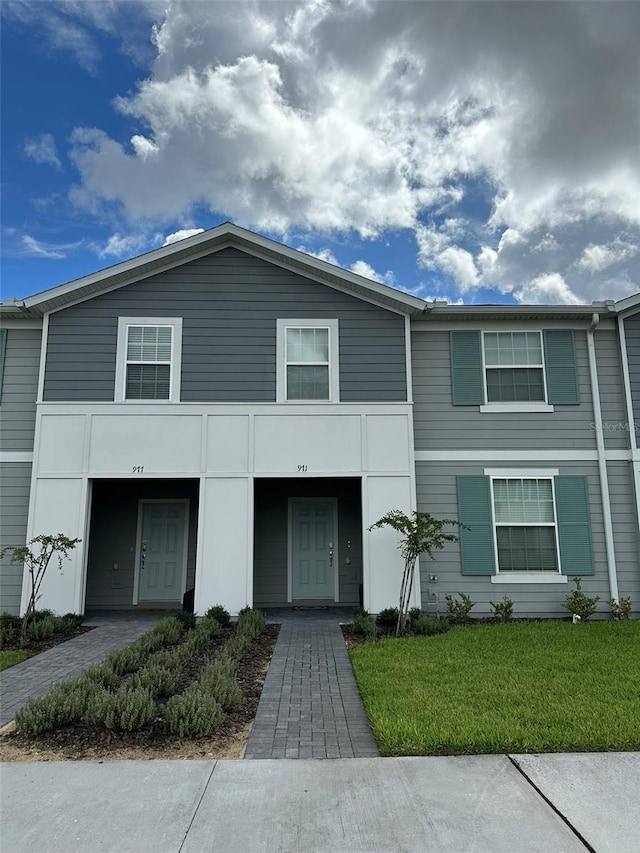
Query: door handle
[[330, 558], [143, 555]]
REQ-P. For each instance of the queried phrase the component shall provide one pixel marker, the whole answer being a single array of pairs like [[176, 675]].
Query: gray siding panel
[[632, 335], [438, 424], [20, 389], [611, 386], [15, 484], [436, 491], [229, 302], [625, 530]]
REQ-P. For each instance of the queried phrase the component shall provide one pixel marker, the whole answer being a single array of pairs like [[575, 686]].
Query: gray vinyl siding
[[15, 483], [112, 539], [632, 335], [438, 424], [229, 302], [611, 386], [20, 389], [626, 536], [271, 536], [436, 493]]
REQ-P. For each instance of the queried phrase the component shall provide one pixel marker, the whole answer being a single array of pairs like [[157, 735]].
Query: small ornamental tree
[[421, 534], [36, 555]]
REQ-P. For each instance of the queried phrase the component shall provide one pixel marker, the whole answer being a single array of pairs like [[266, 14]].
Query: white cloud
[[595, 258], [363, 268], [181, 235], [123, 245], [42, 149], [36, 248], [547, 289]]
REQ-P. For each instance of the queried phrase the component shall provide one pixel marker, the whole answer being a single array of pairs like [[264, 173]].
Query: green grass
[[521, 687], [8, 659]]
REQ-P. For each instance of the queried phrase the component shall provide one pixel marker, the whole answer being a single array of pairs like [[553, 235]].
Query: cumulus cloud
[[181, 235], [123, 245], [503, 135], [42, 149]]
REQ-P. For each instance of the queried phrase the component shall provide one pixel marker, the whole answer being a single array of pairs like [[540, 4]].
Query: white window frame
[[281, 354], [536, 406], [543, 577], [176, 357]]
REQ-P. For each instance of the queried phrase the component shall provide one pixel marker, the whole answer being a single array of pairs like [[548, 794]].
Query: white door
[[162, 551]]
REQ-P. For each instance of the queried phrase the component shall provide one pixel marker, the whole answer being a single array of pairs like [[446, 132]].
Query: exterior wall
[[19, 389], [15, 482], [436, 490], [229, 302], [632, 335], [625, 531], [113, 538], [611, 385], [271, 536], [439, 425]]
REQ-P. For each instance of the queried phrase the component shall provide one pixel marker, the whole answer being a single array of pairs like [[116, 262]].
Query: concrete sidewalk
[[480, 803]]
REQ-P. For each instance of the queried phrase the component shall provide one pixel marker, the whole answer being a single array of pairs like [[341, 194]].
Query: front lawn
[[520, 687], [8, 659]]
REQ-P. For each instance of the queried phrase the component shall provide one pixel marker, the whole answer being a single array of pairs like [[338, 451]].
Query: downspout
[[633, 443], [602, 460]]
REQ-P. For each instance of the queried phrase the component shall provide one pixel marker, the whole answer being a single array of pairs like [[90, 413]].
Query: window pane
[[512, 348], [307, 383], [513, 385], [307, 345], [147, 382], [526, 501], [527, 549], [149, 343]]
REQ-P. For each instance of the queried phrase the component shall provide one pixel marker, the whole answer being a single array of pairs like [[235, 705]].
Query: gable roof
[[629, 305], [213, 240]]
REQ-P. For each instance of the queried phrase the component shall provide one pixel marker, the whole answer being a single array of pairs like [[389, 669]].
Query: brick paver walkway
[[35, 676], [310, 706]]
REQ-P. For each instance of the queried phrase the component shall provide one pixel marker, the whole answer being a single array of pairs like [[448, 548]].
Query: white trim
[[509, 408], [176, 357], [501, 473], [453, 455], [630, 413], [43, 358], [602, 461], [578, 322], [336, 557], [333, 329], [408, 366], [16, 456], [8, 322], [185, 551], [529, 577]]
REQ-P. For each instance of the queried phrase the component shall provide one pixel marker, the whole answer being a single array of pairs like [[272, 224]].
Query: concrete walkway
[[33, 677], [486, 803], [310, 706]]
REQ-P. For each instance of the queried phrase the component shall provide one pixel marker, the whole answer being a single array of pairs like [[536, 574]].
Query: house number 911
[[137, 469], [302, 468]]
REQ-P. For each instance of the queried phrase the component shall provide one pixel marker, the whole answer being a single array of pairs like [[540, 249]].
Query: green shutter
[[560, 363], [3, 347], [474, 510], [574, 527], [467, 386]]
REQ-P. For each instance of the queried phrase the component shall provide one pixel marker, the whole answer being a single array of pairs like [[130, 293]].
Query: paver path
[[310, 706], [33, 677]]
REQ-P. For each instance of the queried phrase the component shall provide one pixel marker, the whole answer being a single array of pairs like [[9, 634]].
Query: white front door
[[162, 550]]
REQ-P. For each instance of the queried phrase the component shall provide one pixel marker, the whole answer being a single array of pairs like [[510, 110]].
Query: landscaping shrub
[[42, 629], [128, 709], [387, 620], [10, 627], [621, 609], [156, 680], [359, 611], [364, 626], [244, 611], [71, 621], [414, 614], [580, 604], [502, 610], [200, 637], [193, 714], [62, 705], [251, 624], [218, 680], [426, 625], [102, 674], [169, 631], [45, 613], [125, 660], [237, 646], [459, 610], [170, 659], [187, 620], [219, 613]]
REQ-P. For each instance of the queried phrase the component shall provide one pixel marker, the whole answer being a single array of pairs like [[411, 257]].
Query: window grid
[[148, 362], [513, 367], [525, 524], [307, 363]]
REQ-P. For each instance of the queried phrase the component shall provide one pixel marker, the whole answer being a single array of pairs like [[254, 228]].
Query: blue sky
[[479, 152]]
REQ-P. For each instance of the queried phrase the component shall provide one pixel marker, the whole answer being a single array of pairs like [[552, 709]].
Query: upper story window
[[514, 369], [148, 359], [307, 355]]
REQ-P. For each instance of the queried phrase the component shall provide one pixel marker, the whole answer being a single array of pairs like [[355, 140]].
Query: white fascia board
[[528, 456]]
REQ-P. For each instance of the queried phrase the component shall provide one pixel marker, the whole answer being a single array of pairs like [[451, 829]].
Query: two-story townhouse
[[229, 416], [223, 415]]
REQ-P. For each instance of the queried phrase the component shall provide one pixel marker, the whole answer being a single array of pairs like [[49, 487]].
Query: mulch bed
[[155, 741], [34, 647]]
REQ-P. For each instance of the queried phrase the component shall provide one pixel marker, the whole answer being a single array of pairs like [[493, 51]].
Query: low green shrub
[[580, 604], [502, 611], [156, 680], [426, 625], [125, 660], [244, 610], [359, 611], [170, 659], [414, 613], [169, 631], [251, 624], [42, 629], [103, 675], [387, 620], [45, 613], [10, 627], [218, 680], [220, 614], [70, 621], [365, 626], [621, 609], [200, 637], [62, 705], [193, 714], [187, 620], [459, 610], [237, 646], [128, 709]]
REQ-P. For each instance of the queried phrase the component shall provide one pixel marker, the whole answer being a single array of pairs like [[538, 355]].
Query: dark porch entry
[[142, 544], [307, 542]]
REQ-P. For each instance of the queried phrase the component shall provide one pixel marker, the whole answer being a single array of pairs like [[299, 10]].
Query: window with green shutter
[[476, 537]]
